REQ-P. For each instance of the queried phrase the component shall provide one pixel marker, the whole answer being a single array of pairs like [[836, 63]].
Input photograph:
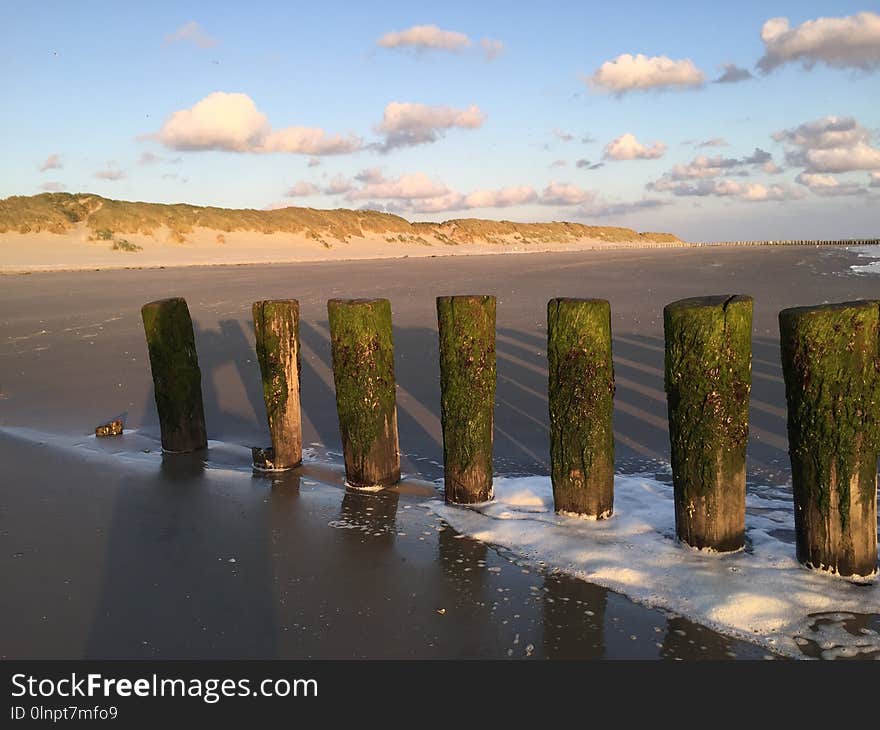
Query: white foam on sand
[[867, 252], [760, 594]]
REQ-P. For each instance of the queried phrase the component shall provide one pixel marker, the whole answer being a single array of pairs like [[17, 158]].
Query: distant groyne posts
[[363, 373], [797, 242], [177, 380], [276, 329], [708, 367], [466, 327], [581, 398], [830, 360], [831, 364]]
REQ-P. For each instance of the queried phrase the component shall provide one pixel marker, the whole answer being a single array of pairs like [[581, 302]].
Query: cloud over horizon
[[831, 145], [627, 147], [231, 122], [628, 73], [406, 124], [849, 42]]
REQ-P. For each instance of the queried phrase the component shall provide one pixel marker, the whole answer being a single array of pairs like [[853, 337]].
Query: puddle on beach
[[397, 573]]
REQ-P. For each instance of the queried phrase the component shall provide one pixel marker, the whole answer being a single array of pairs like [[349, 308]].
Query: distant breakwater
[[796, 242]]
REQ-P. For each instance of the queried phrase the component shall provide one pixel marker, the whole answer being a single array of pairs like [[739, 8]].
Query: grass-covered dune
[[106, 219]]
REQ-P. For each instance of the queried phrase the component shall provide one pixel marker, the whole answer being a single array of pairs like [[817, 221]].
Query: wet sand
[[113, 563]]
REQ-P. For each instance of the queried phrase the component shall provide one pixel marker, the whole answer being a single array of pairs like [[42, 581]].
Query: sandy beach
[[116, 556]]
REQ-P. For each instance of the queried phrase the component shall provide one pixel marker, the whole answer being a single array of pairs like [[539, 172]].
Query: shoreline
[[476, 250]]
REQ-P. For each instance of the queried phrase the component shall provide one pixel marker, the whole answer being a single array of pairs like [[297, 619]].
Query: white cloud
[[874, 180], [232, 122], [53, 162], [830, 144], [849, 42], [491, 48], [750, 192], [111, 172], [639, 73], [424, 37], [606, 210], [302, 189], [339, 185], [557, 193], [501, 198], [406, 187], [627, 147], [370, 175], [405, 124], [191, 32], [828, 185]]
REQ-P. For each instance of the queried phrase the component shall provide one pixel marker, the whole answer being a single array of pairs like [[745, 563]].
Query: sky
[[715, 121]]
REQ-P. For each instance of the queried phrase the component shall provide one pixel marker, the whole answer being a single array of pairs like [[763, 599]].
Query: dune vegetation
[[107, 219]]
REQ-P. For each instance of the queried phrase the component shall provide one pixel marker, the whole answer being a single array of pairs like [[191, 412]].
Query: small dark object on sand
[[112, 428], [264, 459]]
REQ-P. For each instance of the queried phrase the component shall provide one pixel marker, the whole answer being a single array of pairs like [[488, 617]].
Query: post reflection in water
[[370, 515], [177, 469], [574, 618], [686, 640]]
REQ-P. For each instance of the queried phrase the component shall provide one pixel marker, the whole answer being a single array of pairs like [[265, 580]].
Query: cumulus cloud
[[627, 147], [302, 189], [406, 124], [733, 74], [111, 172], [749, 192], [370, 175], [605, 210], [501, 198], [704, 167], [491, 48], [557, 193], [53, 162], [192, 33], [339, 185], [423, 37], [830, 144], [231, 122], [639, 73], [849, 42], [53, 187], [407, 187], [828, 185]]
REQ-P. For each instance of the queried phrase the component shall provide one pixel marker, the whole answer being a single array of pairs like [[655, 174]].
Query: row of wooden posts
[[830, 360]]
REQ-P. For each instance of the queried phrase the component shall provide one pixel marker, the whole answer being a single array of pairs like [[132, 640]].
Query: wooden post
[[581, 406], [176, 375], [708, 379], [276, 326], [363, 371], [831, 364], [467, 395]]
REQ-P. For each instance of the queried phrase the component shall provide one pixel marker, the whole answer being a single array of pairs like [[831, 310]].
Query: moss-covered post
[[831, 365], [176, 376], [363, 371], [276, 326], [708, 379], [581, 406], [467, 395]]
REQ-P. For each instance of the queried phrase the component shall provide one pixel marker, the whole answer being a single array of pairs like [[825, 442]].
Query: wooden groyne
[[797, 242], [830, 360]]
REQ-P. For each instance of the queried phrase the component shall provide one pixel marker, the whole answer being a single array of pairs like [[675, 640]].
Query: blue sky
[[90, 88]]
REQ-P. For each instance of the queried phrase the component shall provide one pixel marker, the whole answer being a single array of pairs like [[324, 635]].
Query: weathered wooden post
[[276, 326], [831, 364], [363, 371], [581, 405], [176, 375], [467, 395], [708, 379]]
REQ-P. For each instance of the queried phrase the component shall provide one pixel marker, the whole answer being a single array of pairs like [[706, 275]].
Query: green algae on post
[[363, 372], [176, 376], [276, 327], [708, 377], [831, 364], [581, 395], [467, 395]]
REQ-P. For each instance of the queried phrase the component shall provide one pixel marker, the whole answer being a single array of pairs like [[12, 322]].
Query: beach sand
[[129, 562]]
